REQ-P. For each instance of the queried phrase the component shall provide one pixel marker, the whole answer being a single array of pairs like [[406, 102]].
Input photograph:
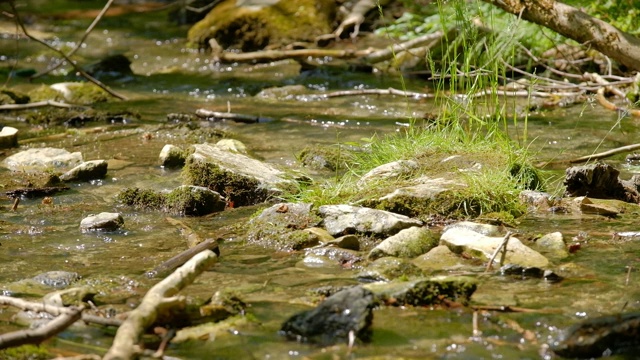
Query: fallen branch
[[157, 300], [71, 62], [38, 104], [602, 100], [502, 245], [241, 118], [427, 41], [389, 91], [79, 44], [56, 310], [183, 257], [605, 154], [274, 55], [187, 232], [507, 308], [36, 336]]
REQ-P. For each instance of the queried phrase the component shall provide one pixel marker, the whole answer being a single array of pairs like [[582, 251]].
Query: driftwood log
[[158, 299]]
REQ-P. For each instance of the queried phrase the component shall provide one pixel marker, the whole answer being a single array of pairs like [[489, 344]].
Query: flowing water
[[173, 79]]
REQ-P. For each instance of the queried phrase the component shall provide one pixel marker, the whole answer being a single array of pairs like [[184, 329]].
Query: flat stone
[[484, 229], [346, 219], [42, 159], [56, 279], [386, 171], [463, 240], [87, 171], [438, 258]]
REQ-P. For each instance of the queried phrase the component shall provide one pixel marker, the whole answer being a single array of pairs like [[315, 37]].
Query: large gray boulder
[[346, 219]]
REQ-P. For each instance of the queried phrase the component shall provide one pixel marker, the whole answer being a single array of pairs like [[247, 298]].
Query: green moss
[[25, 352], [334, 158], [250, 30], [13, 97], [142, 199], [79, 93], [239, 190], [188, 201]]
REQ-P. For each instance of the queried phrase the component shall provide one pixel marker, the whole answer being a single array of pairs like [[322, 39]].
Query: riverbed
[[171, 78]]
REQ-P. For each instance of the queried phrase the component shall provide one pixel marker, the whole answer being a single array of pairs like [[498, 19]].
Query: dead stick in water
[[183, 257], [495, 253]]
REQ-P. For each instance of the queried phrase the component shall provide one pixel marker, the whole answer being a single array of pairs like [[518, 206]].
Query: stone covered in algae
[[255, 24], [183, 200]]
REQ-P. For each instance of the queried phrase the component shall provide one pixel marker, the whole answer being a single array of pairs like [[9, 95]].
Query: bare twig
[[75, 66], [39, 104], [605, 154], [79, 44], [241, 118], [178, 260], [502, 245], [36, 336], [389, 91]]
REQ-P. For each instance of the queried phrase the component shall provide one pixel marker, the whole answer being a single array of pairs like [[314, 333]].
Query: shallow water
[[172, 79]]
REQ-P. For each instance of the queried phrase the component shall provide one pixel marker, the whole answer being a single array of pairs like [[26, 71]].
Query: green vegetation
[[27, 352], [466, 142]]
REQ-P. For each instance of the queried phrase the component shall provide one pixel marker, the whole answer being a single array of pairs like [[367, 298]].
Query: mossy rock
[[281, 227], [74, 93], [333, 158], [257, 24], [424, 292], [13, 97], [183, 200], [240, 190]]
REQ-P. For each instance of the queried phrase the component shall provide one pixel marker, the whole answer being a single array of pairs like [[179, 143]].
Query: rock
[[347, 311], [424, 292], [68, 297], [79, 93], [193, 201], [42, 159], [113, 66], [232, 145], [386, 171], [588, 207], [223, 305], [87, 171], [599, 180], [408, 243], [438, 258], [251, 25], [332, 158], [387, 269], [283, 227], [331, 257], [346, 219], [536, 200], [321, 234], [484, 229], [184, 200], [530, 272], [13, 97], [102, 222], [56, 279], [552, 245], [415, 199], [463, 240], [287, 92], [351, 242], [214, 330], [241, 179], [8, 137], [172, 156], [601, 337]]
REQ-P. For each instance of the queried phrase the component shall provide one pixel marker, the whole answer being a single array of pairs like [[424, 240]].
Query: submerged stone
[[56, 279], [284, 226], [423, 292], [438, 258], [600, 337], [102, 222], [387, 269], [346, 312]]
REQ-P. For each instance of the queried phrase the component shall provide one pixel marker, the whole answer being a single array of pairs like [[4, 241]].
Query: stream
[[170, 78]]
